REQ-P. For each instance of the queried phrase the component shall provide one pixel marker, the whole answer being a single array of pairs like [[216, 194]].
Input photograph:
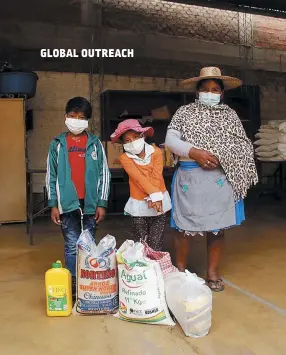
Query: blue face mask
[[209, 99]]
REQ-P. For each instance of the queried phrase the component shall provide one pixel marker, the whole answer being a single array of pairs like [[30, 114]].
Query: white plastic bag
[[141, 287], [97, 278], [190, 301]]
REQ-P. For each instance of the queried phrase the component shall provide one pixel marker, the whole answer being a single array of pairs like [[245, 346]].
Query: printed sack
[[141, 287], [97, 281]]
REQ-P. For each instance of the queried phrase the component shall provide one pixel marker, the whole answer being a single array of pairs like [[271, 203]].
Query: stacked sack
[[271, 141]]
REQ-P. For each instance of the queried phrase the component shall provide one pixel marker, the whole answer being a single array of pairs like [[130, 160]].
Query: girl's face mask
[[76, 126], [136, 147]]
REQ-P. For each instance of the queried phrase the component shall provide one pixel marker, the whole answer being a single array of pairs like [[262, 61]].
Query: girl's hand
[[158, 206]]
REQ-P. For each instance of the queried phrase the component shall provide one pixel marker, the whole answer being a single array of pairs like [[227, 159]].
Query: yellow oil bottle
[[58, 291]]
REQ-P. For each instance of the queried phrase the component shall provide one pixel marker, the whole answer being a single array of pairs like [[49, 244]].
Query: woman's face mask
[[76, 126], [136, 147], [209, 98]]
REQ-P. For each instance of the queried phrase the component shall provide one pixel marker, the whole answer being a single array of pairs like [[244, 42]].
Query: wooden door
[[12, 161]]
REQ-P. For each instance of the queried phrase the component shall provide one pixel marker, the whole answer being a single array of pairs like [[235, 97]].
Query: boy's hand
[[55, 216], [100, 214]]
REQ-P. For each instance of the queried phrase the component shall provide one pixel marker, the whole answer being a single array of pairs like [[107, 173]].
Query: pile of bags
[[271, 141], [138, 284]]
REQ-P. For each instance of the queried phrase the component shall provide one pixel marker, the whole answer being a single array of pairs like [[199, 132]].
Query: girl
[[149, 199]]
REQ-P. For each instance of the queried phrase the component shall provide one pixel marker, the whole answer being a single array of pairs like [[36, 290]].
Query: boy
[[77, 179]]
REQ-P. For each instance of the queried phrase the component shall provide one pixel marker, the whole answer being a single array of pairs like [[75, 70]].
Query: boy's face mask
[[135, 147], [76, 126]]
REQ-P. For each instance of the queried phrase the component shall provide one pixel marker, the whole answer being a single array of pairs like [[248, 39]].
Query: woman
[[215, 169]]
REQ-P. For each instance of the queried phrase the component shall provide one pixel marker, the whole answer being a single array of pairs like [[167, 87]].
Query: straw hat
[[211, 73], [130, 125]]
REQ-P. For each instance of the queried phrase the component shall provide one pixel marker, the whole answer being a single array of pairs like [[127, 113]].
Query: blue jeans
[[71, 229]]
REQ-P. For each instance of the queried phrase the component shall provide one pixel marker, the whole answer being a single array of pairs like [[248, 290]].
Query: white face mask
[[135, 147], [75, 125], [210, 99]]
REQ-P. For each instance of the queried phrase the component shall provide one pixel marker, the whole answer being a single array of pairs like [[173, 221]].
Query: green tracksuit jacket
[[60, 187]]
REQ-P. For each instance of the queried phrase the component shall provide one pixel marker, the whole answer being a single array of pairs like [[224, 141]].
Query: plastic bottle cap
[[57, 265]]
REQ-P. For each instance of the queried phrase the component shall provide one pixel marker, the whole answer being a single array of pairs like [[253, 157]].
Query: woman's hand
[[205, 159]]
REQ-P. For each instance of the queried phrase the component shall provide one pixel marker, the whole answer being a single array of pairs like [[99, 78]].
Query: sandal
[[216, 286]]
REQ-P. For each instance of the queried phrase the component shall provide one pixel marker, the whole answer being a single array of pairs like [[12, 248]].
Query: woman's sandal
[[216, 286]]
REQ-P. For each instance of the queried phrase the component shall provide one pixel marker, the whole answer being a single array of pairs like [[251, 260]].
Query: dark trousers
[[150, 230], [71, 229]]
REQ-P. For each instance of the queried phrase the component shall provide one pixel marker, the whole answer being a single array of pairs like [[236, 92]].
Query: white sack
[[268, 136], [267, 154], [282, 139], [262, 142], [141, 287], [267, 148], [282, 127]]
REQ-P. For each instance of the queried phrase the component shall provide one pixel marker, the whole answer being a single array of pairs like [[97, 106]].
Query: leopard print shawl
[[219, 130]]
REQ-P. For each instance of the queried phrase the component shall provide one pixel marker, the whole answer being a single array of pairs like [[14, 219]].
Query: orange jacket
[[145, 180]]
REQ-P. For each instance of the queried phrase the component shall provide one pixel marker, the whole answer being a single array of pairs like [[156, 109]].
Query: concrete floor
[[243, 322]]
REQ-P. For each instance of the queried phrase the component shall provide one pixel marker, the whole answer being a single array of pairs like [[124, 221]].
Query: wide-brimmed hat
[[211, 73], [130, 125]]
